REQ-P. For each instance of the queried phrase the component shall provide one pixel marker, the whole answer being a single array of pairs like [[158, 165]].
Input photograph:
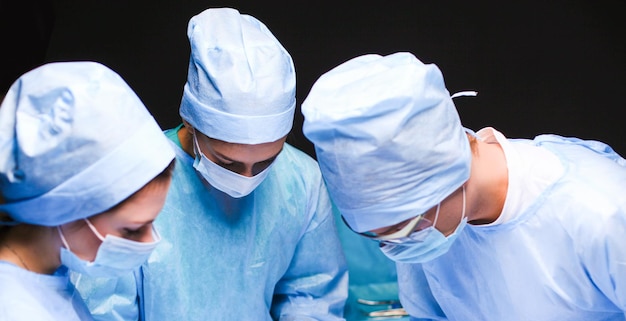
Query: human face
[[243, 159], [400, 230], [132, 219], [446, 220]]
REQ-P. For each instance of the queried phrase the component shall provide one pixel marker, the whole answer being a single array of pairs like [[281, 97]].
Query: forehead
[[141, 207], [244, 152]]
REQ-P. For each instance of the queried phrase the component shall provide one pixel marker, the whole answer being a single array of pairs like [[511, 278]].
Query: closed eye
[[132, 234]]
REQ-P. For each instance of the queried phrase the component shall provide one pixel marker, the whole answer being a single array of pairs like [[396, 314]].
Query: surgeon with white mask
[[84, 170], [481, 227], [247, 229]]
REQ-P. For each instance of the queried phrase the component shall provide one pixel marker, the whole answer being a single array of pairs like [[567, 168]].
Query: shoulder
[[297, 172], [18, 296], [576, 149], [295, 155], [297, 159], [13, 279]]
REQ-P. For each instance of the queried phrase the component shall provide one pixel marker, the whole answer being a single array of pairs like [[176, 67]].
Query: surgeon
[[247, 229], [481, 227], [84, 170]]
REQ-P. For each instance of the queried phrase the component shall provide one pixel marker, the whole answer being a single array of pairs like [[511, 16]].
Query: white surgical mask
[[229, 182], [116, 256], [425, 245]]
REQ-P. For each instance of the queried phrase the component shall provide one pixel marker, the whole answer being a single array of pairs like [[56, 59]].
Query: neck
[[186, 140], [488, 184], [33, 248]]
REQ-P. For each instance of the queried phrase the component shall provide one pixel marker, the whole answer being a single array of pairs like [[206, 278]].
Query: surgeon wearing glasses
[[481, 227], [421, 239]]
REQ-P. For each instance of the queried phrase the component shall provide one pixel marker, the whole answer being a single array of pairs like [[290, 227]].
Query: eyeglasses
[[407, 232]]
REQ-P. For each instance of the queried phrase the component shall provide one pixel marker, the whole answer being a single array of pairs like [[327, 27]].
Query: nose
[[148, 235], [246, 171]]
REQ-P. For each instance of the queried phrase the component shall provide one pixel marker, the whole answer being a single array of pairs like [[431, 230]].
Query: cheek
[[449, 226], [147, 235], [84, 244]]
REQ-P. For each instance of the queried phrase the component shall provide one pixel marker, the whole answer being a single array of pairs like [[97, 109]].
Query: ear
[[188, 126], [185, 136]]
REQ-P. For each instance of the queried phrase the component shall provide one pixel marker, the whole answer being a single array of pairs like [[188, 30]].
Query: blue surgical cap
[[75, 140], [241, 81], [387, 137]]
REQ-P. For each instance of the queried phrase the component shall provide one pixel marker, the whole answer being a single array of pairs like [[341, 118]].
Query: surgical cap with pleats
[[75, 140], [387, 137], [241, 81]]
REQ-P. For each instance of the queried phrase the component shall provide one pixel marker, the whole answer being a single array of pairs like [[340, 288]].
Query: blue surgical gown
[[28, 296], [562, 258], [372, 276], [273, 254]]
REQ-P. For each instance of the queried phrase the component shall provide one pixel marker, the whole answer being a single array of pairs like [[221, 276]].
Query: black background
[[539, 66]]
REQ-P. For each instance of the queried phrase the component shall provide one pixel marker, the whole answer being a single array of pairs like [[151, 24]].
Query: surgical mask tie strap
[[94, 230], [63, 240], [195, 144], [467, 93], [437, 214], [463, 213]]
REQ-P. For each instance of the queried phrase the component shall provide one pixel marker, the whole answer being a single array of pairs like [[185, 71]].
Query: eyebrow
[[228, 159], [143, 223], [219, 155]]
